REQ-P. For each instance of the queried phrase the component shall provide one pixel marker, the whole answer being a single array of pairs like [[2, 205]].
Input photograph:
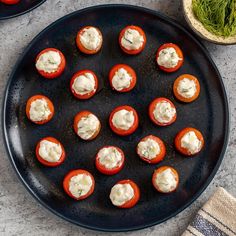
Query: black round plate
[[209, 114], [24, 6]]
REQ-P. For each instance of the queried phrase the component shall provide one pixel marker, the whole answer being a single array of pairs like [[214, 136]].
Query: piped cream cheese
[[164, 112], [84, 84], [87, 126], [132, 40], [123, 119], [186, 88], [121, 193], [110, 157], [168, 58], [80, 185], [148, 148], [48, 62], [121, 80], [166, 181], [50, 151], [90, 38], [39, 110], [191, 142]]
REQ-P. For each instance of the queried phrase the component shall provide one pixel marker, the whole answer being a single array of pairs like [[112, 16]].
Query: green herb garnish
[[217, 16]]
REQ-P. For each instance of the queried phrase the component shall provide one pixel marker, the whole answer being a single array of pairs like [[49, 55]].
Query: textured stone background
[[20, 214]]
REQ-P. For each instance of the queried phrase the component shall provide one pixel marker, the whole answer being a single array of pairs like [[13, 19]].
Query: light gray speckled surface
[[20, 214]]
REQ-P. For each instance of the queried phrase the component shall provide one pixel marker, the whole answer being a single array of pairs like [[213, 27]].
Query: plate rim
[[168, 20], [23, 12]]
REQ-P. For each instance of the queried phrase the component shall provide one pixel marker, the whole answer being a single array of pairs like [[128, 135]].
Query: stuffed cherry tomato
[[151, 149], [189, 141], [86, 125], [39, 109], [162, 112], [132, 39], [84, 84], [169, 57], [165, 179], [79, 184], [50, 63], [123, 120], [10, 2], [186, 88], [89, 40], [125, 194], [122, 78], [50, 152], [110, 160]]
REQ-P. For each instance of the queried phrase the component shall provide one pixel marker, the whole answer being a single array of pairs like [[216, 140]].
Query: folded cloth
[[216, 218]]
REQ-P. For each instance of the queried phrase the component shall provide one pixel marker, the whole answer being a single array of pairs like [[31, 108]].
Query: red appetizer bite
[[86, 125], [50, 63], [89, 40], [50, 152], [123, 120], [125, 194], [79, 184], [151, 149], [189, 141], [132, 39], [165, 179], [162, 111], [169, 57], [110, 160], [122, 78], [186, 88], [84, 84], [10, 2], [39, 109]]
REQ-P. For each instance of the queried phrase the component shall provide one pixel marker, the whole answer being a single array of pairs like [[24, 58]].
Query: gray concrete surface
[[20, 214]]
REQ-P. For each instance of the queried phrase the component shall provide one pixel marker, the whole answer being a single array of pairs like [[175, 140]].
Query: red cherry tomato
[[159, 157], [141, 32], [60, 69], [47, 163], [152, 108], [123, 132], [114, 170], [50, 105], [129, 70], [180, 135], [81, 46], [87, 95], [73, 173], [179, 53]]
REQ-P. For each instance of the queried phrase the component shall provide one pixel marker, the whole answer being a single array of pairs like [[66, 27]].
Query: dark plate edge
[[226, 104], [24, 12]]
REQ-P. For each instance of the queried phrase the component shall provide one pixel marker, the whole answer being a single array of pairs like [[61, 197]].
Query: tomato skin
[[80, 45], [113, 171], [130, 71], [160, 156], [178, 51], [137, 51], [78, 117], [161, 169], [152, 108], [132, 202], [179, 96], [10, 2], [87, 95], [50, 105], [73, 173], [60, 69], [132, 128], [46, 163], [180, 135]]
